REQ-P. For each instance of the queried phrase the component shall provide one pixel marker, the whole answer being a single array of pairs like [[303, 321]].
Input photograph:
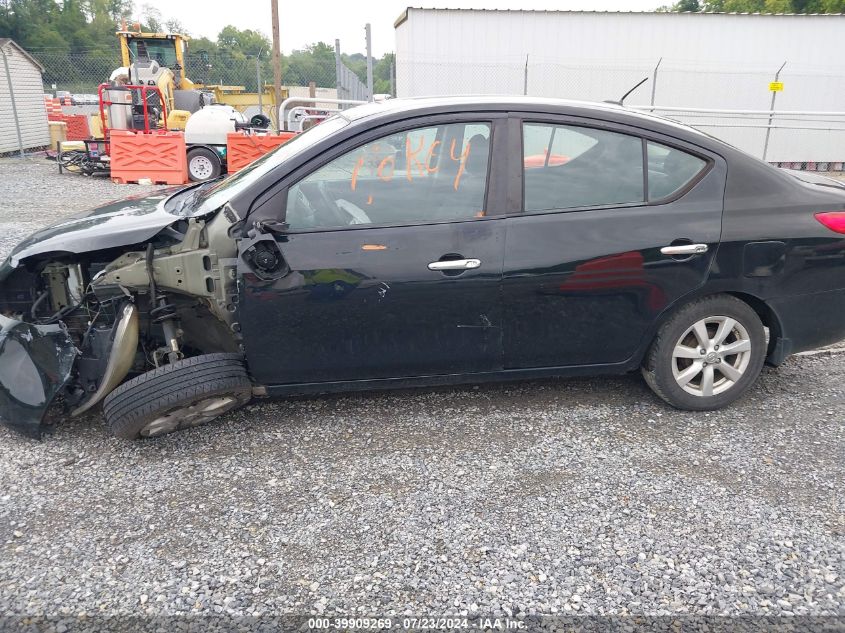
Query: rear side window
[[567, 167], [670, 170]]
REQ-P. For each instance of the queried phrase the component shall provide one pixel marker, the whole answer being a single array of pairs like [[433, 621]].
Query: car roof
[[407, 106]]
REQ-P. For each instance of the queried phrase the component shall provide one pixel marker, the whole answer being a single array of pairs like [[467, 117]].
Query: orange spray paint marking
[[380, 171], [428, 166], [370, 199], [355, 170], [411, 157], [463, 161], [373, 247]]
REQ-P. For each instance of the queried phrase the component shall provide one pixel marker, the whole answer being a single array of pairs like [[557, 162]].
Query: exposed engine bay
[[115, 313]]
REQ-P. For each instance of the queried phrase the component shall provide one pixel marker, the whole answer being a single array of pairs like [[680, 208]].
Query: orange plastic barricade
[[77, 124], [159, 156], [242, 148], [77, 127]]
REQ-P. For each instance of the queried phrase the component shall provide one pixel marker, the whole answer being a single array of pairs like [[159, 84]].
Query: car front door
[[614, 229], [389, 262]]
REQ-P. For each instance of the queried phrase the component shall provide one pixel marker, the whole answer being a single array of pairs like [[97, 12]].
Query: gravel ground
[[577, 496], [33, 193]]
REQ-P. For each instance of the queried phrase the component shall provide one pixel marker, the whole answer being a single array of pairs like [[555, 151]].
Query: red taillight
[[834, 220]]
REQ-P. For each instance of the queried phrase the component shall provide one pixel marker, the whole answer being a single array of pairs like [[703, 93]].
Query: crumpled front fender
[[35, 363]]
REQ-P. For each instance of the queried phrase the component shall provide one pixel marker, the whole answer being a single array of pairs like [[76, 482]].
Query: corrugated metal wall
[[721, 61], [29, 102]]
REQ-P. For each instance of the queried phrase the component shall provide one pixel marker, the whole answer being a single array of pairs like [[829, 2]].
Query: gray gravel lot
[[576, 496]]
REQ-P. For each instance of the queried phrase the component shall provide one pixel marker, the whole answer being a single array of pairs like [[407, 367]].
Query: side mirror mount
[[272, 227]]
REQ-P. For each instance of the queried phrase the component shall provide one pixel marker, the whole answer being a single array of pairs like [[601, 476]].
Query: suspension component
[[164, 314]]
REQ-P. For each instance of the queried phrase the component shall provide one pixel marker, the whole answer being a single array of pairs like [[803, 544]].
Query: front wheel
[[184, 394], [707, 354]]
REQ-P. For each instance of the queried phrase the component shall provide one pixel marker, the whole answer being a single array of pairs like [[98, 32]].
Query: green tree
[[75, 41], [314, 63], [172, 25], [687, 5], [151, 17], [247, 42], [758, 6], [382, 70]]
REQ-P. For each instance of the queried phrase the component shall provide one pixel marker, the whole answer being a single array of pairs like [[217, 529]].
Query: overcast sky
[[325, 20]]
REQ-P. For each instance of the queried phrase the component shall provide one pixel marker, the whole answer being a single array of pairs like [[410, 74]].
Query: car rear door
[[614, 226], [391, 262]]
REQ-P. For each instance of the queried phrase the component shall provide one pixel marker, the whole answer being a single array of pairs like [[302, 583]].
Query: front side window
[[430, 174], [670, 170], [567, 166]]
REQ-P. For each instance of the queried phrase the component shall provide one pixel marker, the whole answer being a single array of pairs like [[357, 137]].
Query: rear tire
[[707, 354], [184, 394], [203, 164]]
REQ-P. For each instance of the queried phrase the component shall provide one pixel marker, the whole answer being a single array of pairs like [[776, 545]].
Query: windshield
[[221, 192], [156, 49]]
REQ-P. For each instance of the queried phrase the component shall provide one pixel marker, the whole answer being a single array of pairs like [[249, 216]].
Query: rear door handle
[[455, 264], [684, 249]]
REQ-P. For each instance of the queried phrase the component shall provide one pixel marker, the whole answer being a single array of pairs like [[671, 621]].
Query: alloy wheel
[[194, 414], [711, 356]]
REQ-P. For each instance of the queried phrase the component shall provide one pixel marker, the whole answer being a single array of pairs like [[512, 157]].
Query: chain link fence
[[81, 73], [802, 123]]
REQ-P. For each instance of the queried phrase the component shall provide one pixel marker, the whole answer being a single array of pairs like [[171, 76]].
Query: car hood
[[119, 223]]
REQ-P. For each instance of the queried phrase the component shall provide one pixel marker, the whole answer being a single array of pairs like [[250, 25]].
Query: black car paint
[[604, 329], [372, 330], [37, 363], [591, 284], [574, 277], [119, 223]]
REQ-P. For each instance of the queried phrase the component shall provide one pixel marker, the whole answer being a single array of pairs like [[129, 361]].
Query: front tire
[[707, 354], [184, 394], [203, 164]]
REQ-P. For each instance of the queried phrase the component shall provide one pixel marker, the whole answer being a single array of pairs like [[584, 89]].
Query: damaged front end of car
[[82, 312]]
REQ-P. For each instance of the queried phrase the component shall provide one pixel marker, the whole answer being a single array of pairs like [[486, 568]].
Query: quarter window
[[670, 170], [427, 174], [569, 166]]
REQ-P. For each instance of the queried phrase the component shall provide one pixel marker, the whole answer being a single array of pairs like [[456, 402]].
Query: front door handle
[[684, 249], [455, 264]]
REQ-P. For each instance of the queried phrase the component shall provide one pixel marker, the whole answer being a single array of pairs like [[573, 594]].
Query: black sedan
[[424, 242]]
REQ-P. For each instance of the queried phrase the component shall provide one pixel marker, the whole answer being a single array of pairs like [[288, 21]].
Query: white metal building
[[23, 115], [695, 60]]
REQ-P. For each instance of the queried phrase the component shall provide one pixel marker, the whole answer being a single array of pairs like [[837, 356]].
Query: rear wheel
[[203, 164], [707, 354], [184, 394]]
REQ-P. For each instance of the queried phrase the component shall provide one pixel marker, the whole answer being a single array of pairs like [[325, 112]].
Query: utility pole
[[277, 62], [337, 72], [369, 60], [258, 87]]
